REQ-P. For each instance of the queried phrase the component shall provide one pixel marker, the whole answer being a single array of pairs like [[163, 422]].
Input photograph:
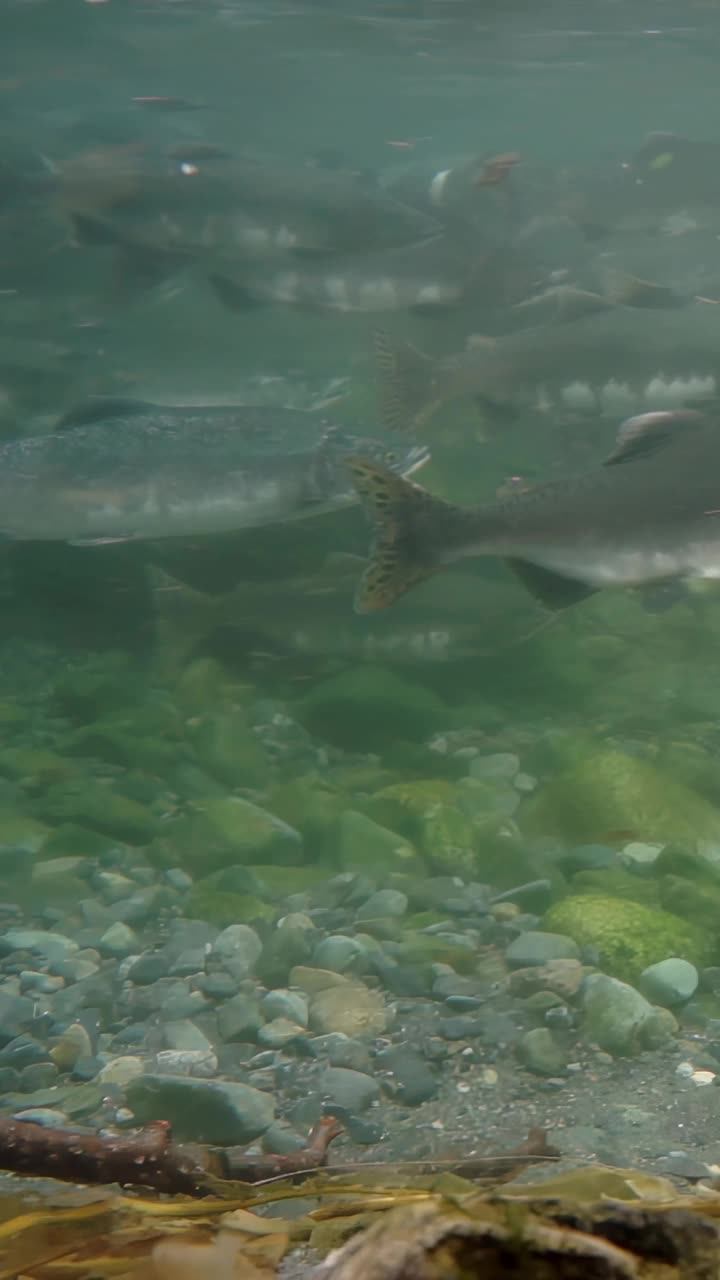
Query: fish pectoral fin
[[91, 232], [235, 297], [645, 434], [553, 590], [100, 541], [99, 408], [400, 514]]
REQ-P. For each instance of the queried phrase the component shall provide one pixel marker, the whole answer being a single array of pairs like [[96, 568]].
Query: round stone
[[669, 982]]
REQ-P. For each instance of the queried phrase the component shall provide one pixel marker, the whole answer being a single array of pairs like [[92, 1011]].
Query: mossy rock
[[449, 839], [226, 830], [611, 791], [697, 902], [22, 831], [90, 804], [311, 807], [366, 846], [101, 685], [227, 748], [70, 840], [368, 708], [280, 882], [615, 882], [205, 685], [628, 936], [40, 766], [123, 742], [221, 908], [402, 805], [426, 949]]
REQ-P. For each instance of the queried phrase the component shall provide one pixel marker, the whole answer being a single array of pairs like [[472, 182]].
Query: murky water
[[433, 847]]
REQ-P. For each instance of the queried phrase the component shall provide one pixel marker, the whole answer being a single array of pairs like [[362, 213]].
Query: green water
[[206, 731]]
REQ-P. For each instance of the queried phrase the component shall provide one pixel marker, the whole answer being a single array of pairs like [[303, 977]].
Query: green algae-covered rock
[[204, 685], [311, 807], [229, 829], [219, 907], [363, 845], [628, 936], [90, 804], [367, 708], [22, 832], [68, 840], [449, 840], [228, 750], [616, 882], [102, 684], [42, 767], [611, 791], [402, 805], [126, 741]]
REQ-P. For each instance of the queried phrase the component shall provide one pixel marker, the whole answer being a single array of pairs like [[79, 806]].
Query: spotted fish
[[650, 513]]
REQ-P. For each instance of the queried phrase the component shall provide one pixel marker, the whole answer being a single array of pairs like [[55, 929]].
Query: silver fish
[[119, 470], [650, 513], [611, 364]]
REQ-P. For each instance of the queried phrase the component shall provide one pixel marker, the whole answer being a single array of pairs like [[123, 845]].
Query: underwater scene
[[360, 640]]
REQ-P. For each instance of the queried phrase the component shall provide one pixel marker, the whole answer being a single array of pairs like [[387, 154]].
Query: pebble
[[238, 948], [239, 1018], [187, 1062], [150, 966], [74, 1043], [119, 940], [352, 1090], [212, 1111], [355, 1010], [183, 1034], [616, 1016], [386, 902], [44, 983], [534, 947], [22, 1052], [46, 1116], [217, 986], [278, 1032], [337, 953], [503, 766], [121, 1071], [407, 1076], [282, 1003], [540, 1053], [670, 982], [53, 947], [39, 1075]]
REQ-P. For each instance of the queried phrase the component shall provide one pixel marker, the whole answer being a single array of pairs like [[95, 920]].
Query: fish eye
[[390, 456]]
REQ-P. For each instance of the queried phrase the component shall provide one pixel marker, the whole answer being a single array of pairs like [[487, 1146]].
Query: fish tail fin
[[406, 383], [409, 525]]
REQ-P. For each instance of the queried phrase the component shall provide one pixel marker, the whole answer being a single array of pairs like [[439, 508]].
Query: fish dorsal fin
[[405, 382], [98, 408], [642, 436]]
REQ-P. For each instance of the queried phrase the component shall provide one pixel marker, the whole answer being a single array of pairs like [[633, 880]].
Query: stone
[[239, 1018], [286, 1004], [187, 1062], [119, 940], [534, 947], [148, 968], [338, 953], [638, 856], [352, 1090], [562, 977], [503, 766], [183, 1034], [364, 845], [91, 804], [610, 790], [617, 1017], [251, 834], [540, 1053], [51, 947], [278, 1032], [74, 1043], [238, 948], [386, 902], [121, 1071], [210, 1111], [228, 749], [406, 1076], [341, 1051], [312, 980], [670, 982], [22, 1052], [353, 1009], [627, 936], [365, 708]]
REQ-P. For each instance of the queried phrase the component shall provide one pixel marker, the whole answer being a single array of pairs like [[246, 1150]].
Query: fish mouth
[[415, 458]]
